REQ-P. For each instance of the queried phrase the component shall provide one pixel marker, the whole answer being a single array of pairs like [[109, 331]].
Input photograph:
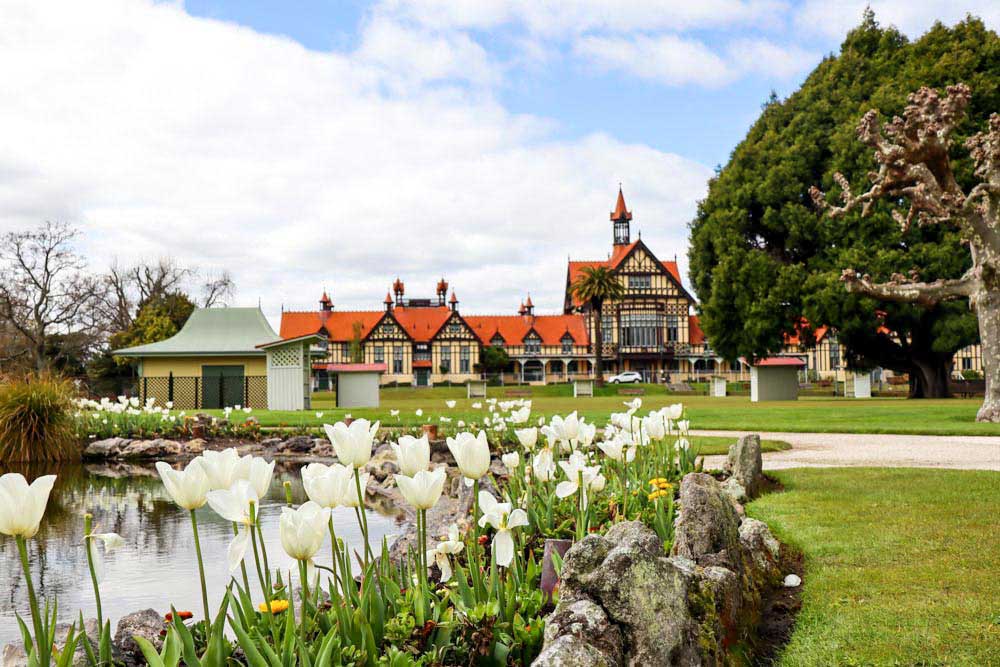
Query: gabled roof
[[513, 328], [422, 324], [212, 331], [618, 255], [780, 361], [339, 324]]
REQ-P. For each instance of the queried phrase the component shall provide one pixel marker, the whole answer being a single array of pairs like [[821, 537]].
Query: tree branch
[[904, 291]]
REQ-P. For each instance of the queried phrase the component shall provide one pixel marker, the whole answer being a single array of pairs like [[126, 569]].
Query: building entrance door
[[221, 387], [423, 377]]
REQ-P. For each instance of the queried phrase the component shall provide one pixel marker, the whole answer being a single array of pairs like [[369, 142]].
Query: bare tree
[[128, 288], [913, 157], [43, 288]]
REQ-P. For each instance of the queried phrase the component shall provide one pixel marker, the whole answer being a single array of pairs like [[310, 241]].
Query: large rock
[[297, 444], [107, 448], [151, 449], [624, 602], [147, 624], [707, 527], [746, 465], [14, 655]]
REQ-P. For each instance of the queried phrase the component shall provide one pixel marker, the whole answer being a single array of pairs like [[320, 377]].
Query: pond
[[157, 567]]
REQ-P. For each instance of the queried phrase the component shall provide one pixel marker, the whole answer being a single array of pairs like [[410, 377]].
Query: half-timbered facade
[[651, 329]]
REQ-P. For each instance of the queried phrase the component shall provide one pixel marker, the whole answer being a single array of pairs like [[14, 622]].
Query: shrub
[[36, 419]]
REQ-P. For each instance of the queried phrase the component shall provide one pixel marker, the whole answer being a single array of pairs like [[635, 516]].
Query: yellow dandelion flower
[[277, 606]]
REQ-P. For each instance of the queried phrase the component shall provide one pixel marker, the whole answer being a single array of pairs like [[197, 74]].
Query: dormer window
[[497, 341], [567, 344], [533, 345]]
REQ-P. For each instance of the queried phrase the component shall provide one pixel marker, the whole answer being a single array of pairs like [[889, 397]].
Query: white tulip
[[472, 454], [189, 487], [633, 405], [393, 413], [328, 485], [477, 406], [419, 412], [527, 437], [684, 425], [520, 416], [445, 548], [511, 461], [303, 530], [675, 411], [587, 434], [233, 504], [575, 468], [615, 449], [221, 467], [500, 516], [111, 542], [22, 505], [412, 454], [423, 489], [450, 404], [258, 472], [543, 465], [353, 443], [654, 427]]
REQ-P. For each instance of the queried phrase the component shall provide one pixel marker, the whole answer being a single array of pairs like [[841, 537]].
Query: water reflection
[[157, 566]]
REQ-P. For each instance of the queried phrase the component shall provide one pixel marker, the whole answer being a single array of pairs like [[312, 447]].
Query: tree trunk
[[599, 343], [987, 304], [929, 377]]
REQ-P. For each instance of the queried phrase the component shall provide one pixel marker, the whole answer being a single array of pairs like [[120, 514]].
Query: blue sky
[[336, 145]]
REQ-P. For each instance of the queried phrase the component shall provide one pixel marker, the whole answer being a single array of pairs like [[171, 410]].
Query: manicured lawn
[[901, 565], [808, 414]]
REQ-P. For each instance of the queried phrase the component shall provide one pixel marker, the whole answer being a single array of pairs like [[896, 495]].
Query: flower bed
[[469, 592]]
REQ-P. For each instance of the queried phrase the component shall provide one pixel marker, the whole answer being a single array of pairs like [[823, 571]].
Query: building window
[[463, 359], [607, 328], [397, 359], [640, 281], [672, 335], [379, 354], [445, 359], [966, 363], [834, 355], [640, 329], [567, 345], [532, 345], [422, 352], [345, 350]]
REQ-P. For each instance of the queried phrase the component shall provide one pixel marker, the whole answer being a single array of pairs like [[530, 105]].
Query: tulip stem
[[304, 592], [363, 515], [264, 587], [336, 557], [41, 641], [88, 529], [243, 565], [624, 487], [201, 569]]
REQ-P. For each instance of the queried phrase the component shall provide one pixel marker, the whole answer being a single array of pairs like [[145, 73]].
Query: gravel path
[[880, 450]]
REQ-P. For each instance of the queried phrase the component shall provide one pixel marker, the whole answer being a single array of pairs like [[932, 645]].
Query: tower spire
[[621, 217]]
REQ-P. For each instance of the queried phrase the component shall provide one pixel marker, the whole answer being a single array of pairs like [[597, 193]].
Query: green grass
[[808, 414], [901, 565]]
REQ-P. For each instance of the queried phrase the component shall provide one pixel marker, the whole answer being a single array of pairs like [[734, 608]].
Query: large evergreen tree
[[764, 260]]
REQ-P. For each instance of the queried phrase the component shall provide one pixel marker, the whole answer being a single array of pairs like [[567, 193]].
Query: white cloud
[[554, 17], [161, 133], [666, 59], [676, 61], [834, 19]]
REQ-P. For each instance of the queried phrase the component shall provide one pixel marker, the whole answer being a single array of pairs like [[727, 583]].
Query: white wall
[[774, 383]]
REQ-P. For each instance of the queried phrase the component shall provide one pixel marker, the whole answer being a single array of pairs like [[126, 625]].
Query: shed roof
[[780, 361], [351, 368], [212, 331]]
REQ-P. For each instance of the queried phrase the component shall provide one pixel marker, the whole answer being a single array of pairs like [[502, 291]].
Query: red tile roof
[[351, 368], [420, 323], [780, 361], [513, 328], [422, 363], [695, 335]]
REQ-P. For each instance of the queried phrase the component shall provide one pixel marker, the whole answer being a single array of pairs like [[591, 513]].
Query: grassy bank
[[808, 414], [901, 565]]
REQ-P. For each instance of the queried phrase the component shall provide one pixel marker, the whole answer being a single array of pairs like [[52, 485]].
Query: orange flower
[[183, 615], [277, 606]]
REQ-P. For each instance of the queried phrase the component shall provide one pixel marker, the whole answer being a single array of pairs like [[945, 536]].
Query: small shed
[[860, 385], [357, 385], [583, 388], [775, 379], [289, 371], [717, 387]]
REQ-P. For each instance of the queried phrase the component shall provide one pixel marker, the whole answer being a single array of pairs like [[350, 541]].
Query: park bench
[[631, 391], [967, 388], [516, 393]]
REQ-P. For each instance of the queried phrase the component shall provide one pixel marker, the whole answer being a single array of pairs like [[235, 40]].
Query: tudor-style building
[[427, 341], [651, 329]]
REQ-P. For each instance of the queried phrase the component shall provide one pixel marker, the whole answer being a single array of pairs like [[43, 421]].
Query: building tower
[[621, 217], [442, 291], [398, 288], [325, 302]]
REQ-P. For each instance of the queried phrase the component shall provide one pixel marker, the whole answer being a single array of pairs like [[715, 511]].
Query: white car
[[626, 377]]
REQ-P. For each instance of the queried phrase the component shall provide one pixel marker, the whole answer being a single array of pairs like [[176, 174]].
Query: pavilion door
[[423, 376], [222, 386]]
